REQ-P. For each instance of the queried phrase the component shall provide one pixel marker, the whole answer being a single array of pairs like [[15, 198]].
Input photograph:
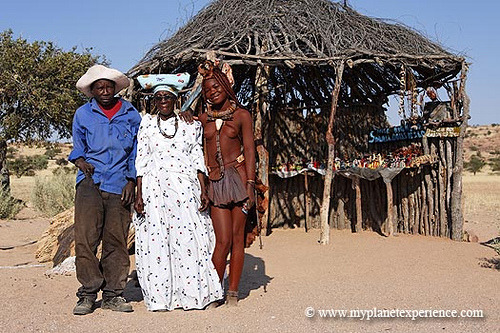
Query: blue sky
[[125, 30]]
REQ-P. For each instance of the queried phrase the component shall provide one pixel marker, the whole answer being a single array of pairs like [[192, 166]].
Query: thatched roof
[[304, 39], [301, 31]]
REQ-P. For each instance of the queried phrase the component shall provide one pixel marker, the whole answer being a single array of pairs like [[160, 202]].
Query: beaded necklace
[[227, 114], [176, 125], [219, 117]]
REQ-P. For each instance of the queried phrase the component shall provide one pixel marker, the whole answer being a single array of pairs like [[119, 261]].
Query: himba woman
[[230, 156], [174, 233]]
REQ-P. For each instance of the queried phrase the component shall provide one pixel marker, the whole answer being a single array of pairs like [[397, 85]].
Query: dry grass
[[482, 204], [21, 187], [54, 194], [482, 192]]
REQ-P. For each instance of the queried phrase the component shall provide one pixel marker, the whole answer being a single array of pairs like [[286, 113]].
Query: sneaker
[[117, 303], [84, 306]]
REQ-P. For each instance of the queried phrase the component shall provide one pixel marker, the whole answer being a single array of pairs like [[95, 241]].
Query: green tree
[[37, 91], [475, 164]]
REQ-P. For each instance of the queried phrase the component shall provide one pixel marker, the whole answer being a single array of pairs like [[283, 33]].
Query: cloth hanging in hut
[[387, 174], [174, 240]]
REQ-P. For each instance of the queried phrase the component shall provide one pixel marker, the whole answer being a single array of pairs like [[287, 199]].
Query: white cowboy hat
[[98, 72]]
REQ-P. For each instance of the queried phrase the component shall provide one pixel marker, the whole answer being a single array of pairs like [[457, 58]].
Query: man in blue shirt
[[104, 150]]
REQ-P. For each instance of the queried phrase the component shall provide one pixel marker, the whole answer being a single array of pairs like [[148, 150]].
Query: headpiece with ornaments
[[172, 83]]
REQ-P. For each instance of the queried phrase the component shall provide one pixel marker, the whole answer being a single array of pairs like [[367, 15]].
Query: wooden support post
[[457, 219], [390, 208], [307, 199], [443, 216], [261, 111], [325, 205], [359, 214]]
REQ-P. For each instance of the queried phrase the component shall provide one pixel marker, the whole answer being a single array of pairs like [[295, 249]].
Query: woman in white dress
[[174, 237]]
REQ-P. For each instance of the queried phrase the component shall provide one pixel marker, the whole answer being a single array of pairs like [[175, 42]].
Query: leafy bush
[[52, 195], [65, 170], [27, 165], [495, 164], [9, 206], [62, 161], [52, 152], [10, 152], [474, 148]]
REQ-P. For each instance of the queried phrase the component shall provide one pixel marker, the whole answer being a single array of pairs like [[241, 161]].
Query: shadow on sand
[[253, 277], [133, 292], [494, 263]]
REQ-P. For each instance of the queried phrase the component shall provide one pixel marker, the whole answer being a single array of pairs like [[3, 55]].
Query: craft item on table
[[336, 164], [443, 132], [406, 157], [376, 161], [295, 166], [424, 159], [281, 172]]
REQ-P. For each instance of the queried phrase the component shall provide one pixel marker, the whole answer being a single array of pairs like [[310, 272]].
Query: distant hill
[[483, 140]]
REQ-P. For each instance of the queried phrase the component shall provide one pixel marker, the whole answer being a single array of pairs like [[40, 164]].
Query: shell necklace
[[176, 125]]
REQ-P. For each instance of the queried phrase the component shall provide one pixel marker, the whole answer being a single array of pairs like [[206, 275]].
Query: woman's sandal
[[232, 298]]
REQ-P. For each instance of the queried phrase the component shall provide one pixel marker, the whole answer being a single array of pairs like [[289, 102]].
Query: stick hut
[[316, 75]]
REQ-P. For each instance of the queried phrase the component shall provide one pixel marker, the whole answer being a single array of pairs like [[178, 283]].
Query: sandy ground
[[290, 274]]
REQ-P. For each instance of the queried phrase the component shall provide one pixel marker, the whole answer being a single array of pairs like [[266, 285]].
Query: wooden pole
[[443, 215], [261, 100], [261, 111], [457, 220], [325, 205], [390, 208], [359, 214], [307, 199]]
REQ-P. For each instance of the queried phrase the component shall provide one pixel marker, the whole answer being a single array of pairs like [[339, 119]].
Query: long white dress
[[174, 241]]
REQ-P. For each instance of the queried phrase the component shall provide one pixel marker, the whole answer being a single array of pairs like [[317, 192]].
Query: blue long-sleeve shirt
[[109, 145]]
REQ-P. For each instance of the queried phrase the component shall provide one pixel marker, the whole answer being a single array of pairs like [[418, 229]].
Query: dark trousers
[[100, 216]]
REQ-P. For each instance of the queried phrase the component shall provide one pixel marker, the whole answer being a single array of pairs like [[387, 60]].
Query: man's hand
[[128, 193], [84, 166]]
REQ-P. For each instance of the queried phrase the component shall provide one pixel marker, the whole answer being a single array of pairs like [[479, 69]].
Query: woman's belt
[[239, 160]]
